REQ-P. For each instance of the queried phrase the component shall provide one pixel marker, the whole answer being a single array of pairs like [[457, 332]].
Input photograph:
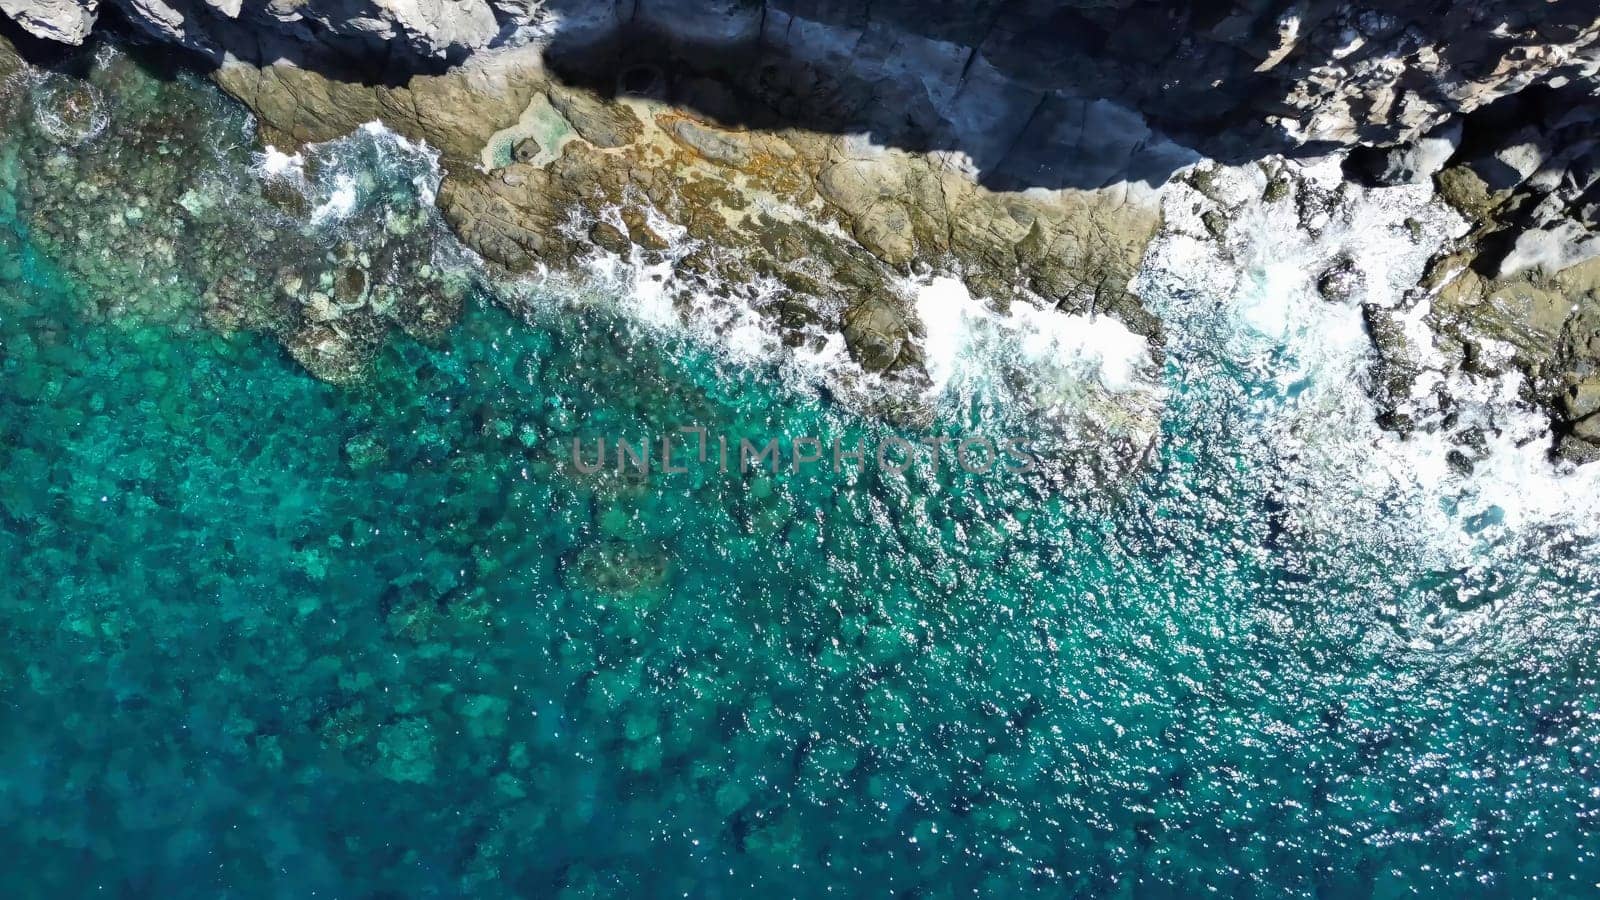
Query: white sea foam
[[948, 313], [416, 158], [1250, 303], [274, 163], [71, 112], [732, 320], [340, 203], [969, 345], [374, 167]]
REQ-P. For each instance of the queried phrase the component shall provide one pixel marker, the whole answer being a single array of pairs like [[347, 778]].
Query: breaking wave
[[1248, 321]]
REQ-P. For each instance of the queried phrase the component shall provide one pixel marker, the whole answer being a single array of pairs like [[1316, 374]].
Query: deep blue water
[[269, 637]]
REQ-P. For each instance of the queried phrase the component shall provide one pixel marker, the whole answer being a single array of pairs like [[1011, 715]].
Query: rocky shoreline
[[810, 159], [815, 229]]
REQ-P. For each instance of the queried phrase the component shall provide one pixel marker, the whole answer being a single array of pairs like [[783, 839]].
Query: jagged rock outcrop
[[69, 21], [1240, 77], [915, 129], [1522, 290], [1037, 93]]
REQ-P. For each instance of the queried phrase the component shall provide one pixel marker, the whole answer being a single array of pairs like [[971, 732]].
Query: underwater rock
[[224, 239], [364, 451], [350, 285], [620, 570], [1341, 282], [68, 110], [327, 353], [406, 750]]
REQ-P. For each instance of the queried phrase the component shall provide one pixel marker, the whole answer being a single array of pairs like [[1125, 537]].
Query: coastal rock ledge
[[817, 154]]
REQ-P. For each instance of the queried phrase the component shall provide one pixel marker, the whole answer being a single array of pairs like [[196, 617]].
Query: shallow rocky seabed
[[267, 636]]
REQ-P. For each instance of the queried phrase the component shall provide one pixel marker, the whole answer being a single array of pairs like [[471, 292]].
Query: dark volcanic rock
[[1341, 282], [1013, 84], [1412, 162]]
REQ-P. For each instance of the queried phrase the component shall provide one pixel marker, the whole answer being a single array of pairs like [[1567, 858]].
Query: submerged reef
[[362, 255]]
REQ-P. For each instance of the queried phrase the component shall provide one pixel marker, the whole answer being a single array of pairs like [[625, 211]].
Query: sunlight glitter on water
[[267, 636]]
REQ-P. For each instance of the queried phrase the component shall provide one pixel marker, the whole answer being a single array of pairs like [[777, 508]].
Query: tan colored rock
[[1582, 399], [878, 336], [605, 125], [455, 112], [714, 144], [1588, 429], [606, 235], [639, 230], [838, 224]]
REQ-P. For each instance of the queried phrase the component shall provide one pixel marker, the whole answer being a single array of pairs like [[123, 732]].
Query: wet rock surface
[[1544, 329], [1520, 293], [818, 233]]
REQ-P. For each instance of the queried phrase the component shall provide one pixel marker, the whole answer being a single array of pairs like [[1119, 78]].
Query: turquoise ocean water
[[261, 636]]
